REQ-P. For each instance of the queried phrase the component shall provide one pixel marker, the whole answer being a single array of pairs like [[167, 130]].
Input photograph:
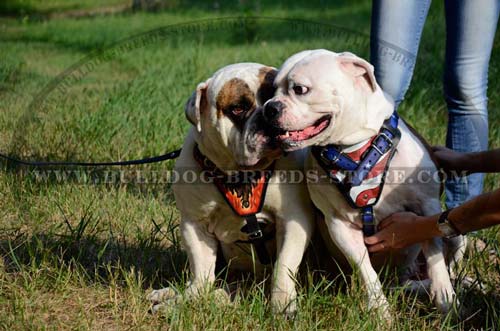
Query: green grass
[[80, 256]]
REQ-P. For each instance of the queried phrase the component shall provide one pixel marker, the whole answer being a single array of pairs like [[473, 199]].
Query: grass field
[[83, 256]]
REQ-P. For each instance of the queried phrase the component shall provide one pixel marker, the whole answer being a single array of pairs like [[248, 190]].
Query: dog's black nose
[[272, 109]]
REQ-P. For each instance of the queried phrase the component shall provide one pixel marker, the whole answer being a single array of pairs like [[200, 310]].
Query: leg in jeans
[[470, 30], [395, 36]]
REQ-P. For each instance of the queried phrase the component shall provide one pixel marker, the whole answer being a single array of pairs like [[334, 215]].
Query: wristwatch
[[446, 227]]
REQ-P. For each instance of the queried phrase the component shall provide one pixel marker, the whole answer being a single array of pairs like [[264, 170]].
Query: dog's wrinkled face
[[325, 98], [227, 113]]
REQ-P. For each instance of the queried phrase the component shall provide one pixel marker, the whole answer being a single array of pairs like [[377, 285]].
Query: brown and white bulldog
[[326, 98], [226, 113]]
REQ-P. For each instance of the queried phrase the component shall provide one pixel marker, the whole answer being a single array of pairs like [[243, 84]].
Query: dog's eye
[[237, 110], [300, 90]]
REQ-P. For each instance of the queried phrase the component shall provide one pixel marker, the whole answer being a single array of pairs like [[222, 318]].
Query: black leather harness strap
[[257, 239]]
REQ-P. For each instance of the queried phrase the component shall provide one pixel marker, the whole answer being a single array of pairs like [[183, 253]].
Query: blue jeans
[[470, 30]]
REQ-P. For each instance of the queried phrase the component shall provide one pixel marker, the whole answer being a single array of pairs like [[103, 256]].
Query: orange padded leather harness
[[244, 192]]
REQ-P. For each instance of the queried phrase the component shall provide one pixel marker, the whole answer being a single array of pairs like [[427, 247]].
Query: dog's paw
[[221, 297], [377, 302], [163, 299], [167, 298], [163, 308], [162, 295], [285, 303], [443, 296]]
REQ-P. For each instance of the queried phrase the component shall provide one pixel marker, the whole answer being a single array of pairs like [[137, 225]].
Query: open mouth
[[307, 133]]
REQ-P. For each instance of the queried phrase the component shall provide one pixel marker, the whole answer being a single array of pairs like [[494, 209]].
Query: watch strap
[[443, 219]]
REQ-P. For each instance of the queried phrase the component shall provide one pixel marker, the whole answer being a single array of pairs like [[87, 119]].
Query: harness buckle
[[387, 139], [255, 235]]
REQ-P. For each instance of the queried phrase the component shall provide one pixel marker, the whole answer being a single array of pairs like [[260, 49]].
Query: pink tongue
[[308, 132], [301, 135]]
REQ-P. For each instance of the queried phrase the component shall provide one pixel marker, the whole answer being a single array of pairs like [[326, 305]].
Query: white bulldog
[[226, 113], [328, 98]]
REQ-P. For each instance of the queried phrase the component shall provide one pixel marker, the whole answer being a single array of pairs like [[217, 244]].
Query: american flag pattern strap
[[359, 170], [367, 193]]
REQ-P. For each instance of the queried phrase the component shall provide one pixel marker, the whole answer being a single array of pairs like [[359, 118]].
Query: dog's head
[[325, 98], [226, 111]]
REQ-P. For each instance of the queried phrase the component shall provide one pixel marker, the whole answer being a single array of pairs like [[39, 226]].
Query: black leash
[[168, 156]]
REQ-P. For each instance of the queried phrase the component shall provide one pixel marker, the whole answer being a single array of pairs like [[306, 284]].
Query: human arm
[[403, 229], [450, 160]]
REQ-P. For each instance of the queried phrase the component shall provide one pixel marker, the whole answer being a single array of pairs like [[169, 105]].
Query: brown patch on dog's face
[[267, 89], [236, 101]]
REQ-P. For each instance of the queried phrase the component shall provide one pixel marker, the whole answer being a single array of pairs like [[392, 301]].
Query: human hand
[[401, 230], [450, 160]]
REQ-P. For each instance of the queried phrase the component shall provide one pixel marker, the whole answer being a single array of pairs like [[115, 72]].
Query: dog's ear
[[196, 103], [359, 69]]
